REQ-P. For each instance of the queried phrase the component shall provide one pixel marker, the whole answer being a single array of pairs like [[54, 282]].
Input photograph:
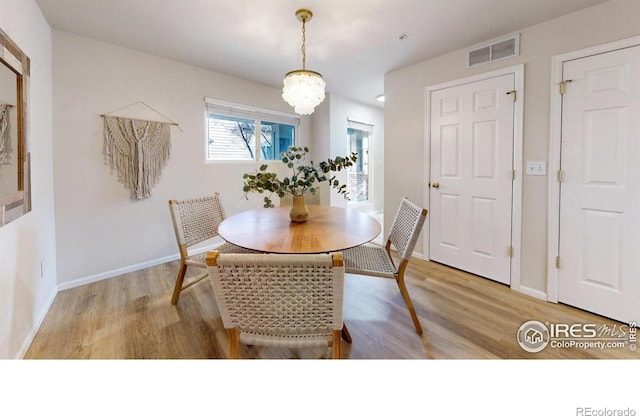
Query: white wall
[[24, 296], [405, 110], [100, 231], [342, 109], [320, 141], [330, 135]]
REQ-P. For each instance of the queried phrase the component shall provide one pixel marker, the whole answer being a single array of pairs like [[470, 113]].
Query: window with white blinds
[[237, 132]]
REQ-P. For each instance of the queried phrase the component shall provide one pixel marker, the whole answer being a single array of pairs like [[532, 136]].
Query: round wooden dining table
[[327, 229]]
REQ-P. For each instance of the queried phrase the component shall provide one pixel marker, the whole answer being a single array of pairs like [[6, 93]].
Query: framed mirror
[[15, 195]]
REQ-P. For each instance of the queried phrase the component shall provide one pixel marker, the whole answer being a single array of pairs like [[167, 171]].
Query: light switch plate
[[537, 168]]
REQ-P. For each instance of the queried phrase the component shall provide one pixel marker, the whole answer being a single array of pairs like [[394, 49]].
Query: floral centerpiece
[[303, 178]]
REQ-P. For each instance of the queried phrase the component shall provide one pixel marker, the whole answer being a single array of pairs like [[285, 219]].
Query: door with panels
[[471, 176], [599, 218]]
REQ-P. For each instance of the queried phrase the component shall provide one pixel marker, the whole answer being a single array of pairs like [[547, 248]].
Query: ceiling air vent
[[493, 51]]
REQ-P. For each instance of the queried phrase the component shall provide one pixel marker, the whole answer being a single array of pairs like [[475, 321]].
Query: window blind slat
[[360, 125], [236, 110]]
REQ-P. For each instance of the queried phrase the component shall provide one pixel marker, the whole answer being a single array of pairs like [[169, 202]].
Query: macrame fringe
[[138, 150]]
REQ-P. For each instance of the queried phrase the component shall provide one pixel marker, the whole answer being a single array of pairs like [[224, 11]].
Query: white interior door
[[472, 138], [599, 237]]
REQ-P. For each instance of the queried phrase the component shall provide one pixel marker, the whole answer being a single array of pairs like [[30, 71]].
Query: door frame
[[518, 143], [555, 143]]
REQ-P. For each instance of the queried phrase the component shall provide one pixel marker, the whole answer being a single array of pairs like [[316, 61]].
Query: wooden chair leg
[[335, 344], [345, 333], [407, 300], [234, 343], [179, 281]]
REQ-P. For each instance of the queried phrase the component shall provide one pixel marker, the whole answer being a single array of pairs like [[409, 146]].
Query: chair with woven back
[[374, 260], [196, 220], [279, 300]]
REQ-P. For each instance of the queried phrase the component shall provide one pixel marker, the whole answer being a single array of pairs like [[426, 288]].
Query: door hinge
[[557, 262], [563, 86], [560, 175], [510, 251], [513, 94], [513, 175]]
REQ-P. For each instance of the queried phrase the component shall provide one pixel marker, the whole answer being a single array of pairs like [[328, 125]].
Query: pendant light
[[303, 89]]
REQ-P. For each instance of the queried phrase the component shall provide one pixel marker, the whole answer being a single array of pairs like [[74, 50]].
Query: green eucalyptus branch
[[303, 176]]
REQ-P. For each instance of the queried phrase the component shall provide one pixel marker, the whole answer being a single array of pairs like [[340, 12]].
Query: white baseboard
[[116, 272], [418, 255], [538, 294], [128, 269], [32, 334], [414, 254]]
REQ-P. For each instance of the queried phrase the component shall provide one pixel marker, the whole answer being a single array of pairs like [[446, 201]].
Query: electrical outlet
[[537, 168], [42, 269]]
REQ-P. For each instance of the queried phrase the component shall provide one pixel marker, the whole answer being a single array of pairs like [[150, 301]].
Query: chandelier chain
[[304, 40]]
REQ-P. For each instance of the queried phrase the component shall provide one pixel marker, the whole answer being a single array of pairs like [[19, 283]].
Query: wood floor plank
[[463, 316]]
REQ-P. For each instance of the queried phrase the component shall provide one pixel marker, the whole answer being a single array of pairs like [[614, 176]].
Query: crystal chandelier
[[303, 89]]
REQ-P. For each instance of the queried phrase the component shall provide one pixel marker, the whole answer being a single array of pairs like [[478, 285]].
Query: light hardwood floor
[[463, 316]]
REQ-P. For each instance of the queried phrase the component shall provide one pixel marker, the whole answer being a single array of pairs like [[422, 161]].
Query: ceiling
[[353, 43]]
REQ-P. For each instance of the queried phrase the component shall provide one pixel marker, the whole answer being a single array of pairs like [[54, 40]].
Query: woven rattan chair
[[196, 220], [309, 198], [279, 300], [373, 260]]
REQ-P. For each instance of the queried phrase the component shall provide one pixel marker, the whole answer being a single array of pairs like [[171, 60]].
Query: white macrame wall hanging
[[137, 150]]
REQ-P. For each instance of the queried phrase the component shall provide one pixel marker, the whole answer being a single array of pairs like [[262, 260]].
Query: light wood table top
[[327, 229]]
